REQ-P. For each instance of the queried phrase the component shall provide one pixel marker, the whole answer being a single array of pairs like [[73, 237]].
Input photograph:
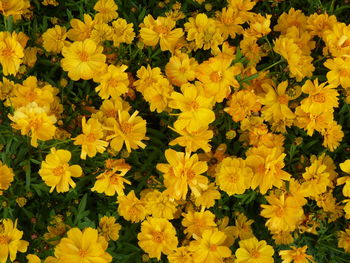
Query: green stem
[[273, 65]]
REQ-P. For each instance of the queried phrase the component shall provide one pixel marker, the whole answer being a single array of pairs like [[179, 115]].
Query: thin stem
[[273, 65]]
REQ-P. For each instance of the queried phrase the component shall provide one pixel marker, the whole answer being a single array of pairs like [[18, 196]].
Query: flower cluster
[[176, 132]]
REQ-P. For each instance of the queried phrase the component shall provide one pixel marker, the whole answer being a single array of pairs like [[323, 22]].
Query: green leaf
[[81, 208]]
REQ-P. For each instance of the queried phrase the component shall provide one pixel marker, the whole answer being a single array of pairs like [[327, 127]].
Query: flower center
[[261, 169], [255, 253], [126, 127], [31, 96], [190, 175], [319, 98], [149, 81], [111, 113], [280, 212], [115, 179], [82, 253], [158, 237], [84, 56], [207, 36], [35, 124], [213, 247], [4, 240], [182, 69], [104, 10], [90, 137], [58, 171], [343, 73], [113, 82], [161, 29], [215, 76], [7, 52], [233, 178], [194, 105], [283, 99]]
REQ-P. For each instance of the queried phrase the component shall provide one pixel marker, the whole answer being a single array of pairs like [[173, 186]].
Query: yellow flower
[[318, 24], [296, 255], [229, 22], [50, 2], [316, 179], [299, 64], [192, 140], [81, 31], [107, 11], [345, 167], [321, 98], [109, 228], [34, 121], [204, 32], [195, 108], [33, 258], [253, 251], [6, 177], [57, 173], [159, 204], [293, 18], [122, 32], [128, 130], [154, 87], [209, 247], [218, 76], [276, 103], [311, 122], [83, 60], [112, 180], [259, 26], [242, 104], [90, 140], [332, 135], [339, 72], [10, 240], [181, 69], [158, 94], [101, 33], [283, 213], [82, 246], [207, 197], [251, 50], [109, 109], [147, 77], [131, 208], [267, 164], [14, 7], [183, 171], [336, 40], [242, 228], [233, 176], [113, 83], [283, 238], [30, 56], [344, 240], [197, 222], [54, 39], [29, 92], [11, 54], [6, 89], [157, 236], [160, 30], [181, 255]]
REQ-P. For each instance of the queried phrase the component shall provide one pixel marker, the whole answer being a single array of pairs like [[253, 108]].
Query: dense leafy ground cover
[[181, 132]]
